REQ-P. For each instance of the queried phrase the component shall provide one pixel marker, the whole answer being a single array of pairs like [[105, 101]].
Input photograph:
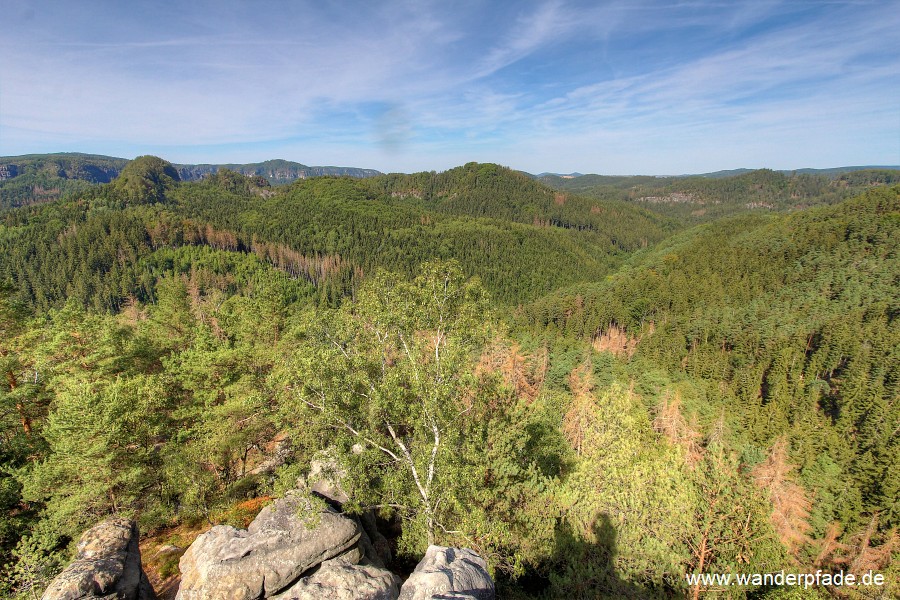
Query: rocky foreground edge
[[289, 552]]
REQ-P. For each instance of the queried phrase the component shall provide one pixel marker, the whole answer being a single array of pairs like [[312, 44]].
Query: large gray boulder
[[336, 580], [357, 574], [449, 573], [270, 555], [107, 565]]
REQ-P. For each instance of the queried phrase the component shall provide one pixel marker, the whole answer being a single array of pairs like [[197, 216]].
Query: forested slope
[[329, 230], [788, 328]]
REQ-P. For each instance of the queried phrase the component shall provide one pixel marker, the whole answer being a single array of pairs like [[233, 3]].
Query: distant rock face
[[449, 573], [276, 171], [95, 174], [8, 172], [107, 565]]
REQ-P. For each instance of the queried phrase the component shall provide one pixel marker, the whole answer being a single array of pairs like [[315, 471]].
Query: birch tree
[[386, 381]]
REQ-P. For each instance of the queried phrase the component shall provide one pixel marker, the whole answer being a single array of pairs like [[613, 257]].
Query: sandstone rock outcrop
[[449, 573], [377, 547], [293, 551], [285, 554], [272, 553], [107, 565], [325, 479]]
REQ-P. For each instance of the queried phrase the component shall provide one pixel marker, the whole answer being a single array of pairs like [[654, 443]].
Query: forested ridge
[[795, 321], [329, 229], [35, 178], [603, 398], [697, 199]]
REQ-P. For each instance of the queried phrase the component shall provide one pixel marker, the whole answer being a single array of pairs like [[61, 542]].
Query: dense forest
[[606, 392]]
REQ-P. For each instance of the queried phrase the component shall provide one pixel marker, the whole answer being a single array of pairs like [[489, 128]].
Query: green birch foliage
[[386, 374], [388, 383], [504, 498]]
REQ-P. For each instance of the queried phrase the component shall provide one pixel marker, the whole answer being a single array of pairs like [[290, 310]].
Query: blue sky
[[598, 87]]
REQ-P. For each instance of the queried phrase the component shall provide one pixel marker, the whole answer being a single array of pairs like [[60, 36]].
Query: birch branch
[[412, 466]]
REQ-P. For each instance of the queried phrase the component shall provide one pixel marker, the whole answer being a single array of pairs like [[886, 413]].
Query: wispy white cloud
[[776, 91], [530, 32], [539, 85]]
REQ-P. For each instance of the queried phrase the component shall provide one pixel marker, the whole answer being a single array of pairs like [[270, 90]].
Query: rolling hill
[[521, 238]]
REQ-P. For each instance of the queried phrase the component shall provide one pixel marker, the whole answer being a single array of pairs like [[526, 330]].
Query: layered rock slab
[[271, 554], [107, 565]]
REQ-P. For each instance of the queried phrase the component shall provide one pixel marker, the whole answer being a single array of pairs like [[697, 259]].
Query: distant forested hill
[[702, 198], [831, 173], [488, 190], [521, 238], [36, 178], [33, 178]]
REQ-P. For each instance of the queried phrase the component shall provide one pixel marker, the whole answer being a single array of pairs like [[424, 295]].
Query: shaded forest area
[[605, 396]]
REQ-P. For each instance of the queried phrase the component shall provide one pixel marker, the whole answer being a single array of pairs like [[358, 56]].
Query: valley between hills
[[598, 385]]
